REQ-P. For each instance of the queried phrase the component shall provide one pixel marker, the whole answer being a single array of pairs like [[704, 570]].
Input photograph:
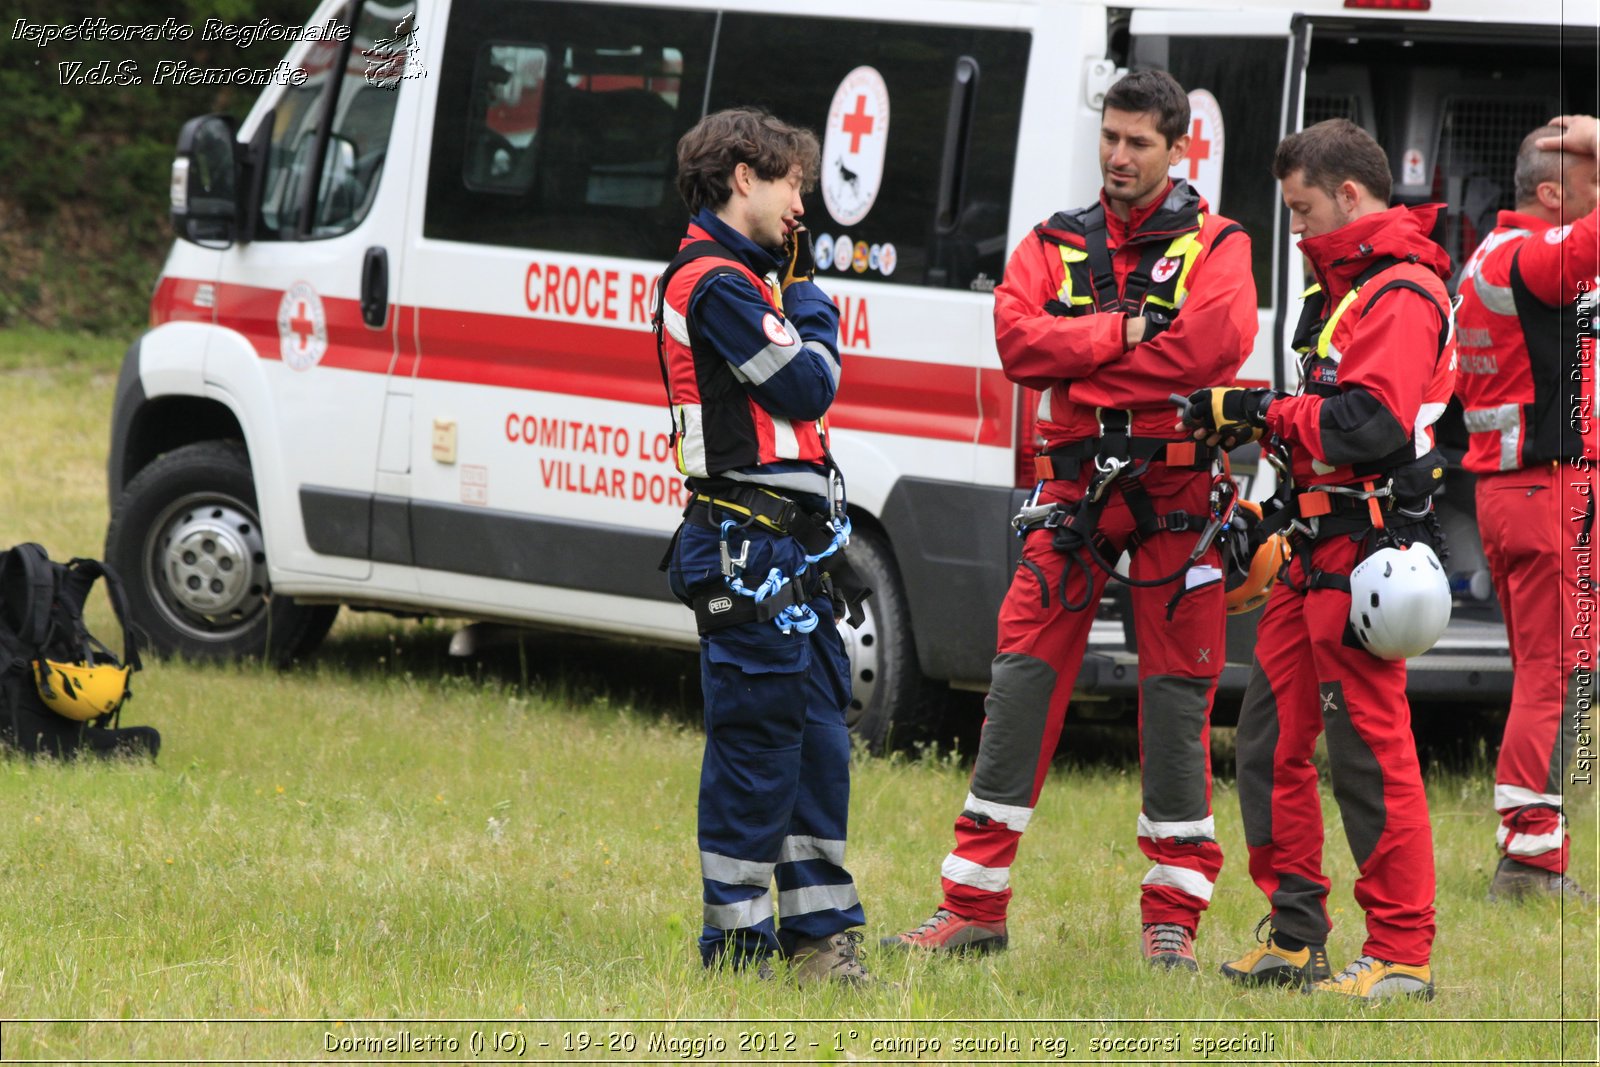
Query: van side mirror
[[205, 182]]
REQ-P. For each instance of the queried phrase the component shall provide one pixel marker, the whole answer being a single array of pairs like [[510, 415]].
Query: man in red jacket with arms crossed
[[1525, 377], [1107, 310]]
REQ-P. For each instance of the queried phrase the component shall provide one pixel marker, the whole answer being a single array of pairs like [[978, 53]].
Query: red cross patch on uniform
[[1165, 268], [775, 331]]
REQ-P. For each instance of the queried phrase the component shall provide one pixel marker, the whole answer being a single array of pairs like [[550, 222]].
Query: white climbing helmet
[[1399, 601]]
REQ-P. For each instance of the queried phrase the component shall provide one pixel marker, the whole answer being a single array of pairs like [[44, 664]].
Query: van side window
[[507, 95], [557, 126], [954, 98], [1246, 75], [294, 137], [377, 61]]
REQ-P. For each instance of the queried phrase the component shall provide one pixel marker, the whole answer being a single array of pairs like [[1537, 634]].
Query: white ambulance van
[[400, 357]]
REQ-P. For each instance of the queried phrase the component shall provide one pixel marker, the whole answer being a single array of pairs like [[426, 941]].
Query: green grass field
[[381, 852]]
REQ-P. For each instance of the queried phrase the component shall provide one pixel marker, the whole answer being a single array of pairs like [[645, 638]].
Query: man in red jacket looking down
[[1359, 444]]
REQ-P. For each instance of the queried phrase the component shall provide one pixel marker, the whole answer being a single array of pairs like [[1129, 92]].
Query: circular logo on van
[[822, 252], [854, 145], [842, 252], [302, 327]]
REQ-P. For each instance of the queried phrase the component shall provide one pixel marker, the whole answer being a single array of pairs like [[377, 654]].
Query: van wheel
[[186, 539], [893, 705]]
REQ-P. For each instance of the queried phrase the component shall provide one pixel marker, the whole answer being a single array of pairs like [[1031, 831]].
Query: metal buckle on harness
[[1110, 468], [732, 566], [839, 506], [1038, 516], [1307, 528]]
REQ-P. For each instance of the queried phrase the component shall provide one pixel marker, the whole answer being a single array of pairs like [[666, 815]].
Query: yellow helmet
[[81, 691]]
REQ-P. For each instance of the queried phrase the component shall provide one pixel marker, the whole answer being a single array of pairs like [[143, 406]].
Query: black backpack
[[41, 622]]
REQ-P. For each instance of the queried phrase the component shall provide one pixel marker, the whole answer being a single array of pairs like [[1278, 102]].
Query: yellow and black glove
[[799, 263], [1236, 416]]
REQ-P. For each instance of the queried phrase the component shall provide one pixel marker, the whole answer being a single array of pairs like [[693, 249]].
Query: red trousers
[[1311, 676], [1041, 648], [1539, 551]]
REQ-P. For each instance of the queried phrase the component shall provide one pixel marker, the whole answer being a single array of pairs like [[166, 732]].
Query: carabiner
[[836, 492], [1109, 468], [732, 566]]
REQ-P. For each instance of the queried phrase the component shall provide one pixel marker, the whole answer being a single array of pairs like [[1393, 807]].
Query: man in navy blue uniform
[[750, 355]]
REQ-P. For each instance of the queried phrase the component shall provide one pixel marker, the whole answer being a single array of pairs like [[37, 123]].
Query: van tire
[[212, 600], [893, 705]]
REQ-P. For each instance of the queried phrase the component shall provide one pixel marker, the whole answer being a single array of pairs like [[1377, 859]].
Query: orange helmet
[[1252, 563]]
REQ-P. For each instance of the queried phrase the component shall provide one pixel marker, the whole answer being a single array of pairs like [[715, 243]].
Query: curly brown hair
[[708, 154]]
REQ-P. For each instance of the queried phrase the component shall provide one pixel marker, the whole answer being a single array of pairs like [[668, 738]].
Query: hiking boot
[[1515, 880], [1272, 964], [1168, 945], [949, 932], [833, 958], [1367, 978]]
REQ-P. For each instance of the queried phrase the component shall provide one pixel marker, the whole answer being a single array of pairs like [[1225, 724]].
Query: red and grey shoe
[[1168, 945], [948, 932]]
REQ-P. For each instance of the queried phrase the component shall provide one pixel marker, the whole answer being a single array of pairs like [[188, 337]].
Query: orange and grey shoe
[[1515, 880], [1272, 964], [946, 931], [1168, 945], [1369, 978]]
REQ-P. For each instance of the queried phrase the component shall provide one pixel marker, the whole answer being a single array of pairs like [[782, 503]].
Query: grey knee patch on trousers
[[1174, 760], [1357, 778], [1579, 705], [1016, 711], [1256, 747]]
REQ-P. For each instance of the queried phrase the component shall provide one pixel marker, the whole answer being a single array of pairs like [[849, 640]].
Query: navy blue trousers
[[775, 778]]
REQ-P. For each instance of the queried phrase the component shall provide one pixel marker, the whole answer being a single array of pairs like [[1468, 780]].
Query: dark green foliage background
[[84, 169]]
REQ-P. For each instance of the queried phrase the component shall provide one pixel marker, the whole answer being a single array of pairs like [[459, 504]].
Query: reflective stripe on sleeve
[[759, 368]]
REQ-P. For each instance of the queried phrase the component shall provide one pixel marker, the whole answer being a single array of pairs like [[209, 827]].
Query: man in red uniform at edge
[[1374, 377], [1522, 377], [1171, 305]]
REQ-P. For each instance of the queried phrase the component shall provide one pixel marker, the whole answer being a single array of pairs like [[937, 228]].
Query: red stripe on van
[[352, 344], [932, 401], [927, 400]]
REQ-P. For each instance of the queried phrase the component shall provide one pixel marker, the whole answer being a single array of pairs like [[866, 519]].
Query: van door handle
[[375, 287]]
